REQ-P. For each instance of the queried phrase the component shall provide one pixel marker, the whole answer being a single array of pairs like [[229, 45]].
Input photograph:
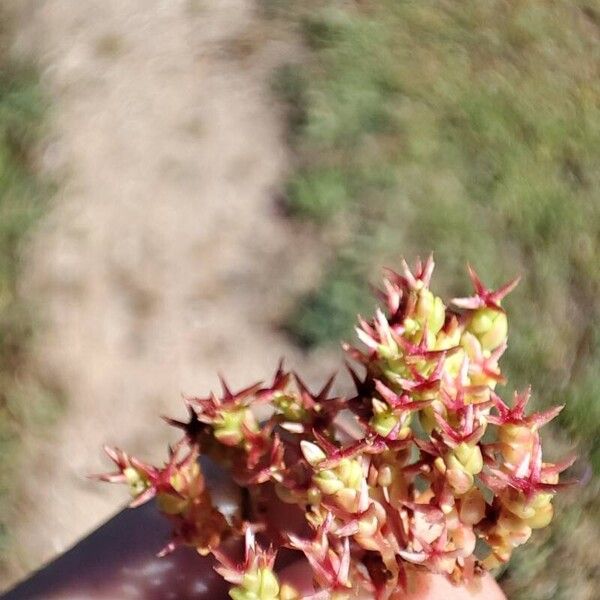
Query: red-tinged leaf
[[429, 447], [109, 477], [553, 488], [471, 303], [559, 467], [280, 382], [144, 497], [230, 398], [480, 289], [504, 290], [357, 355], [326, 444], [374, 445], [538, 420], [483, 296], [474, 437]]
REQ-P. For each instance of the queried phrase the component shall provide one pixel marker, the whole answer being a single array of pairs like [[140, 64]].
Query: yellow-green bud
[[490, 326], [291, 409], [516, 530], [170, 504], [469, 458], [328, 482], [350, 472], [228, 428], [259, 584], [136, 482], [384, 422], [542, 517], [462, 464], [368, 526], [427, 416], [239, 593], [430, 309], [517, 504], [269, 586], [515, 434]]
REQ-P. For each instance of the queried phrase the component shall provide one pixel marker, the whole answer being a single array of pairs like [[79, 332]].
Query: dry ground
[[162, 259]]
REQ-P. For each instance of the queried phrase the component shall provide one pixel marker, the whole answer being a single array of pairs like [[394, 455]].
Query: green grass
[[471, 129], [22, 199]]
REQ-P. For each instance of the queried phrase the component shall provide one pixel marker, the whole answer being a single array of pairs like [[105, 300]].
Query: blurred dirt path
[[162, 260]]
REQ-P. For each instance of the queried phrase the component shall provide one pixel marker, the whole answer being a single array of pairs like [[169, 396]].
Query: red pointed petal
[[480, 289], [540, 419], [503, 291], [143, 498]]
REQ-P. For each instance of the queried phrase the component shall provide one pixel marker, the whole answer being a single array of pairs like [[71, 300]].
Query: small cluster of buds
[[423, 467]]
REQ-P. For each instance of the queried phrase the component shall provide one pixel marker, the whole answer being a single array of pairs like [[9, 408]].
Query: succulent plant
[[423, 467]]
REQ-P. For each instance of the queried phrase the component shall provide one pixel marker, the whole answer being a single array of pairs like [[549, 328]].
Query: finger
[[429, 586], [423, 586]]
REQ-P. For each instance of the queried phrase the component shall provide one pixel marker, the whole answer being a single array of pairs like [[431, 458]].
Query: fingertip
[[430, 586]]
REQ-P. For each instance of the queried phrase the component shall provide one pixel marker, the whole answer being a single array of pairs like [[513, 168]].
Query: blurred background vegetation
[[22, 199], [470, 129]]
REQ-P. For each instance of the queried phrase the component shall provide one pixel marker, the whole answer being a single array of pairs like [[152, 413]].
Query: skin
[[118, 562]]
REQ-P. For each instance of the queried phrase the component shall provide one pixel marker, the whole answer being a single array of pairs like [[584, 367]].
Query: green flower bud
[[517, 504], [258, 584], [170, 504], [328, 482], [383, 423], [490, 326], [228, 428], [136, 482], [239, 593], [269, 586], [427, 418], [367, 526], [291, 409], [351, 473], [469, 457], [251, 581], [411, 326], [513, 528], [430, 309], [542, 517], [462, 464]]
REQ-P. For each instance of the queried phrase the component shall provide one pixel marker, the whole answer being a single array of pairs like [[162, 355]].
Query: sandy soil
[[162, 260]]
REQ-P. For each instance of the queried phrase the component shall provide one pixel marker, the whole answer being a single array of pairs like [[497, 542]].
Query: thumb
[[424, 586]]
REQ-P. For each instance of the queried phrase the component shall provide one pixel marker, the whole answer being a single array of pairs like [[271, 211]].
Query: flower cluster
[[424, 466]]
